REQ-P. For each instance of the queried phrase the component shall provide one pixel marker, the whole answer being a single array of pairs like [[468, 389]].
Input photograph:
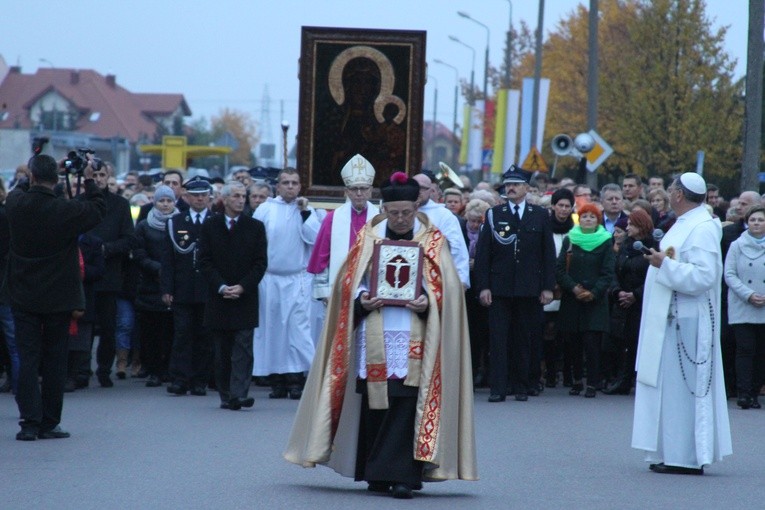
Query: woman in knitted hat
[[155, 320], [584, 271]]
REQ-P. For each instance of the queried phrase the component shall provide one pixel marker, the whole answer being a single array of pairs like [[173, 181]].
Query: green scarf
[[588, 242]]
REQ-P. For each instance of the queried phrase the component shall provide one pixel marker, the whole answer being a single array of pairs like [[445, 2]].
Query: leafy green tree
[[666, 88]]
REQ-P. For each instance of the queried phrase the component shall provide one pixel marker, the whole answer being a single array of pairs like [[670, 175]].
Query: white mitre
[[694, 182], [358, 172]]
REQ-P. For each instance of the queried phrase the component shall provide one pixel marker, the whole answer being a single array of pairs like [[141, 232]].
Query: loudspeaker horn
[[562, 144]]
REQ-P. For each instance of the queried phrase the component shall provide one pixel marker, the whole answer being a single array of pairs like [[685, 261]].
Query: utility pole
[[753, 105], [592, 81], [537, 75]]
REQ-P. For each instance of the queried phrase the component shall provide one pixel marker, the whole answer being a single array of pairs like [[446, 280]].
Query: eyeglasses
[[359, 189]]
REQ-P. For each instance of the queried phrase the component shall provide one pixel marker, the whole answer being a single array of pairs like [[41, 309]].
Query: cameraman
[[44, 287]]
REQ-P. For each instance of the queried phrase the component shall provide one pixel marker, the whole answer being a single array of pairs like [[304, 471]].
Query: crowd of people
[[198, 283]]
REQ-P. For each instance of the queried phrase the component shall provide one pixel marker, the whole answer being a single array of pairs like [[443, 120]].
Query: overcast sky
[[225, 53]]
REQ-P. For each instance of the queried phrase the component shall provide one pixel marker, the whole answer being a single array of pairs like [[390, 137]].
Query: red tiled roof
[[121, 112]]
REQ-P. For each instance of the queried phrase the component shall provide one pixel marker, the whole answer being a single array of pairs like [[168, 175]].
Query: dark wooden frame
[[417, 277], [319, 48]]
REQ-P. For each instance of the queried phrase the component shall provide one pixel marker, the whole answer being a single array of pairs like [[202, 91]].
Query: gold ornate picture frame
[[396, 276]]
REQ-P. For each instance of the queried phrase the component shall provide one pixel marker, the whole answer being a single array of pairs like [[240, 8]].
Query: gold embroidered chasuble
[[325, 430]]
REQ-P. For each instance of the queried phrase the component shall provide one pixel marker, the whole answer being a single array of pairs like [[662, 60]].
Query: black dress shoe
[[55, 433], [153, 381], [232, 405], [496, 397], [590, 392], [26, 435], [295, 394], [242, 402], [70, 385], [675, 470], [402, 491], [225, 405], [533, 392], [278, 393], [177, 389], [756, 403], [198, 391], [121, 375], [381, 487], [105, 381], [521, 397], [744, 402], [576, 389]]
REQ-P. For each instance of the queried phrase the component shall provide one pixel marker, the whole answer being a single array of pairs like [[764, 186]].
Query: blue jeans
[[9, 330], [125, 332]]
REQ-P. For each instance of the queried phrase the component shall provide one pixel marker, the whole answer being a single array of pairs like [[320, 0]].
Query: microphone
[[637, 245], [657, 234]]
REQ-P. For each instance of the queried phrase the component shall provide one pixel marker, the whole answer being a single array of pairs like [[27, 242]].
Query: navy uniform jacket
[[515, 260], [181, 274], [233, 257]]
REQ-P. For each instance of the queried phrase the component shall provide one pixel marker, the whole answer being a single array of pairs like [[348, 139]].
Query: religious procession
[[380, 289]]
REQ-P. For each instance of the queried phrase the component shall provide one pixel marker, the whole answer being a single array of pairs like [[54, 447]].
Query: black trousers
[[750, 358], [478, 325], [386, 438], [106, 313], [192, 346], [156, 332], [510, 333], [233, 362], [42, 341], [586, 344]]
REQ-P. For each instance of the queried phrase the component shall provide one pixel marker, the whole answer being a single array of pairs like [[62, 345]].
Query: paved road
[[139, 448]]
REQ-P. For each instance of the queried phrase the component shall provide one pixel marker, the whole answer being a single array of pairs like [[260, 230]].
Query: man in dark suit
[[233, 255], [514, 277], [613, 205], [184, 288], [116, 231], [44, 286]]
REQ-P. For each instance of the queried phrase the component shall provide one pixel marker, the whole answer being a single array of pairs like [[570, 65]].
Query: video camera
[[76, 161], [38, 143]]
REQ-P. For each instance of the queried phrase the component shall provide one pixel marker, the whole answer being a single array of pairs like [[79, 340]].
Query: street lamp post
[[285, 127], [486, 56], [472, 67], [456, 91], [509, 49]]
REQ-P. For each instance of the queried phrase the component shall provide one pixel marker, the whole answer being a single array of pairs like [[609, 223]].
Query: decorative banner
[[489, 122], [465, 135], [526, 113], [475, 145], [511, 130], [499, 132]]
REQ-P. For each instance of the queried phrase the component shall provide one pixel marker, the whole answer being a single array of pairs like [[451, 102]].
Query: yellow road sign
[[534, 162]]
